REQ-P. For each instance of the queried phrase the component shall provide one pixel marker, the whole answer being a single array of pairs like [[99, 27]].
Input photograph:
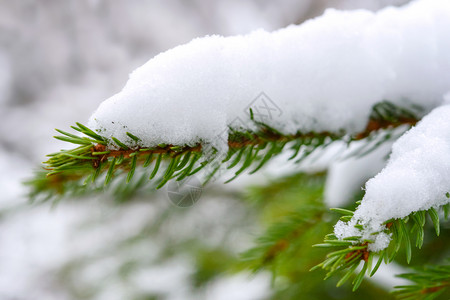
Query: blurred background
[[58, 61]]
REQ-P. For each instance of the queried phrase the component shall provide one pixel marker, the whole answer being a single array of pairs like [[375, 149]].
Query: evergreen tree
[[124, 158]]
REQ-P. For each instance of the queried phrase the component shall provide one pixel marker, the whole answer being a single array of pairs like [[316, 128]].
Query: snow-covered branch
[[323, 75]]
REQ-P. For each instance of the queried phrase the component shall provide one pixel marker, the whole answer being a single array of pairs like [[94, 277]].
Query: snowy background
[[58, 61]]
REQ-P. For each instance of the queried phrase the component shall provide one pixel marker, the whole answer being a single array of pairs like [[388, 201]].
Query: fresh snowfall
[[324, 75]]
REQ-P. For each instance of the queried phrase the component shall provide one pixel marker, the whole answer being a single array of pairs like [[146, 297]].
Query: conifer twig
[[347, 254], [97, 155]]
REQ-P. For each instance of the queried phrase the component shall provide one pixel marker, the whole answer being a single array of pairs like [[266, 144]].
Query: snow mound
[[414, 179], [323, 75]]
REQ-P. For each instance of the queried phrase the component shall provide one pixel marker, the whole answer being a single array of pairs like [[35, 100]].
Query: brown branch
[[362, 253], [435, 289], [375, 125], [255, 140]]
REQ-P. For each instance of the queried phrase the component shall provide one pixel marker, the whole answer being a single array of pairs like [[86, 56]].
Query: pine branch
[[427, 283], [98, 156], [347, 254], [281, 236], [292, 211]]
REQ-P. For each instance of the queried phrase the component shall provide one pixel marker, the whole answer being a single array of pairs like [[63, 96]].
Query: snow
[[323, 75], [78, 60], [414, 179]]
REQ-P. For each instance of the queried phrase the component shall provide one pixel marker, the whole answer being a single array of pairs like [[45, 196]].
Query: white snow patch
[[324, 75], [415, 178]]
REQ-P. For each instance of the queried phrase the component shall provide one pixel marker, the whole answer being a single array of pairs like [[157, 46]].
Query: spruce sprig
[[97, 156], [427, 283], [348, 253]]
